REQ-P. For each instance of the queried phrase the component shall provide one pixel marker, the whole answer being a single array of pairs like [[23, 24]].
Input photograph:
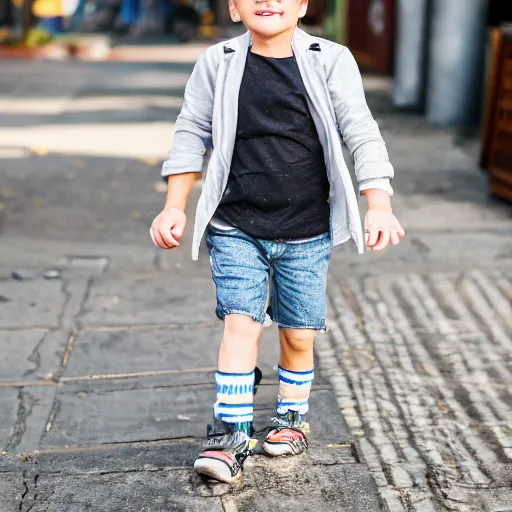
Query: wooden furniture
[[497, 127], [371, 34]]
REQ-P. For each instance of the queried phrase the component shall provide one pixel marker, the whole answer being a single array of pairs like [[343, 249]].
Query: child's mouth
[[268, 13]]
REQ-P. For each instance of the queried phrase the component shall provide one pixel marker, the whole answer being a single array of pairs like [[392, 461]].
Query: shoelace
[[228, 440], [280, 422], [232, 439], [276, 423]]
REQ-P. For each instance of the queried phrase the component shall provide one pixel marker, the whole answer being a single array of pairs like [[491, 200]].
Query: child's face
[[268, 17]]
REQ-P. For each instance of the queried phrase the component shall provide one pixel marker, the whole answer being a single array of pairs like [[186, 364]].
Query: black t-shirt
[[278, 186]]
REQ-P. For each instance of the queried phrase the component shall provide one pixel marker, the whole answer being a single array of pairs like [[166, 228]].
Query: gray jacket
[[338, 106]]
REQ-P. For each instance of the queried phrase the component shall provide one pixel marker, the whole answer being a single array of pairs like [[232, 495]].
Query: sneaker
[[225, 454], [289, 437]]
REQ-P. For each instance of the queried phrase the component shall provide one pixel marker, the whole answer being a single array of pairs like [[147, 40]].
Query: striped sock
[[235, 392], [294, 389]]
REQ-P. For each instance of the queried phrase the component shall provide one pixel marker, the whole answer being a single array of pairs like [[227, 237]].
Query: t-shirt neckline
[[291, 57]]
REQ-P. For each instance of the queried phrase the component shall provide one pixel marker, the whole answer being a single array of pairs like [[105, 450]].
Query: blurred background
[[109, 345], [437, 53]]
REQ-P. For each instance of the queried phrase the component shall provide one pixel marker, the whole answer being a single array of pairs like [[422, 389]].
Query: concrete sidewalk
[[106, 384], [107, 376], [106, 400]]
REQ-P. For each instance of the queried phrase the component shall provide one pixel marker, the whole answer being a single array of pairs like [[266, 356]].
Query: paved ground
[[106, 378]]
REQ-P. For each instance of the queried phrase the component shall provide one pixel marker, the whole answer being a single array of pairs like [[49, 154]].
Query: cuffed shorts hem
[[222, 312], [312, 327]]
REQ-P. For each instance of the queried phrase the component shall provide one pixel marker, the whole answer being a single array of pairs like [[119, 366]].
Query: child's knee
[[298, 340], [241, 328]]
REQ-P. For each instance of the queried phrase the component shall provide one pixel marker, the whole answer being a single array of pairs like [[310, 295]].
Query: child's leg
[[235, 378], [295, 378], [239, 348], [299, 307], [295, 370], [240, 271]]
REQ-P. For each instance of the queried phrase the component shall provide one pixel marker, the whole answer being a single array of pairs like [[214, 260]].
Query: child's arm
[[361, 134], [193, 132], [356, 124], [183, 168], [168, 226]]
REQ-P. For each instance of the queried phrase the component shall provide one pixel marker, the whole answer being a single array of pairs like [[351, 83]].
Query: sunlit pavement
[[106, 379]]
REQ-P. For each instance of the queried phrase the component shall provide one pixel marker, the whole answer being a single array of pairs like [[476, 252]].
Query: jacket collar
[[301, 42]]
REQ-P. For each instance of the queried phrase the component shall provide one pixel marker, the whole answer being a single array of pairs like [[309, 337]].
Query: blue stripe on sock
[[235, 389], [222, 374], [297, 378], [234, 413], [280, 369], [233, 406], [235, 385], [223, 415], [290, 381]]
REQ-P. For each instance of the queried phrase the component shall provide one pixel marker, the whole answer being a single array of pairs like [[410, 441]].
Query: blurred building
[[434, 49]]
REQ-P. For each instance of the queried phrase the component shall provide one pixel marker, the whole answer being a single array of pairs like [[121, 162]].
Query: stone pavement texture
[[106, 378]]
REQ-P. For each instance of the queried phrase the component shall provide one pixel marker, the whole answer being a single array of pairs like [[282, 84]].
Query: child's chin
[[266, 28]]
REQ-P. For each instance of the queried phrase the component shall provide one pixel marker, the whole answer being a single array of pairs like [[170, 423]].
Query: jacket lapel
[[302, 41], [235, 55], [308, 53], [310, 61]]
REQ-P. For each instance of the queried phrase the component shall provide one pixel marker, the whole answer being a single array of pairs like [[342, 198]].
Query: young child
[[277, 196]]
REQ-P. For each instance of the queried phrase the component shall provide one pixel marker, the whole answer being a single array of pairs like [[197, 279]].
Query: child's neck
[[278, 46]]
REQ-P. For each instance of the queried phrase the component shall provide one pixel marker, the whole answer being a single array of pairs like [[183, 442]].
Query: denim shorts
[[243, 267]]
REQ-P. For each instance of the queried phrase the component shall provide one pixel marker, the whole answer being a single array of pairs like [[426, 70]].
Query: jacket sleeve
[[193, 131], [357, 126]]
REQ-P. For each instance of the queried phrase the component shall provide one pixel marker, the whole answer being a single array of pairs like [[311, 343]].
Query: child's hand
[[382, 227], [167, 228]]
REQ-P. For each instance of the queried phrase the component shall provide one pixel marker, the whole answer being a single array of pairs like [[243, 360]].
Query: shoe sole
[[215, 469], [280, 449]]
